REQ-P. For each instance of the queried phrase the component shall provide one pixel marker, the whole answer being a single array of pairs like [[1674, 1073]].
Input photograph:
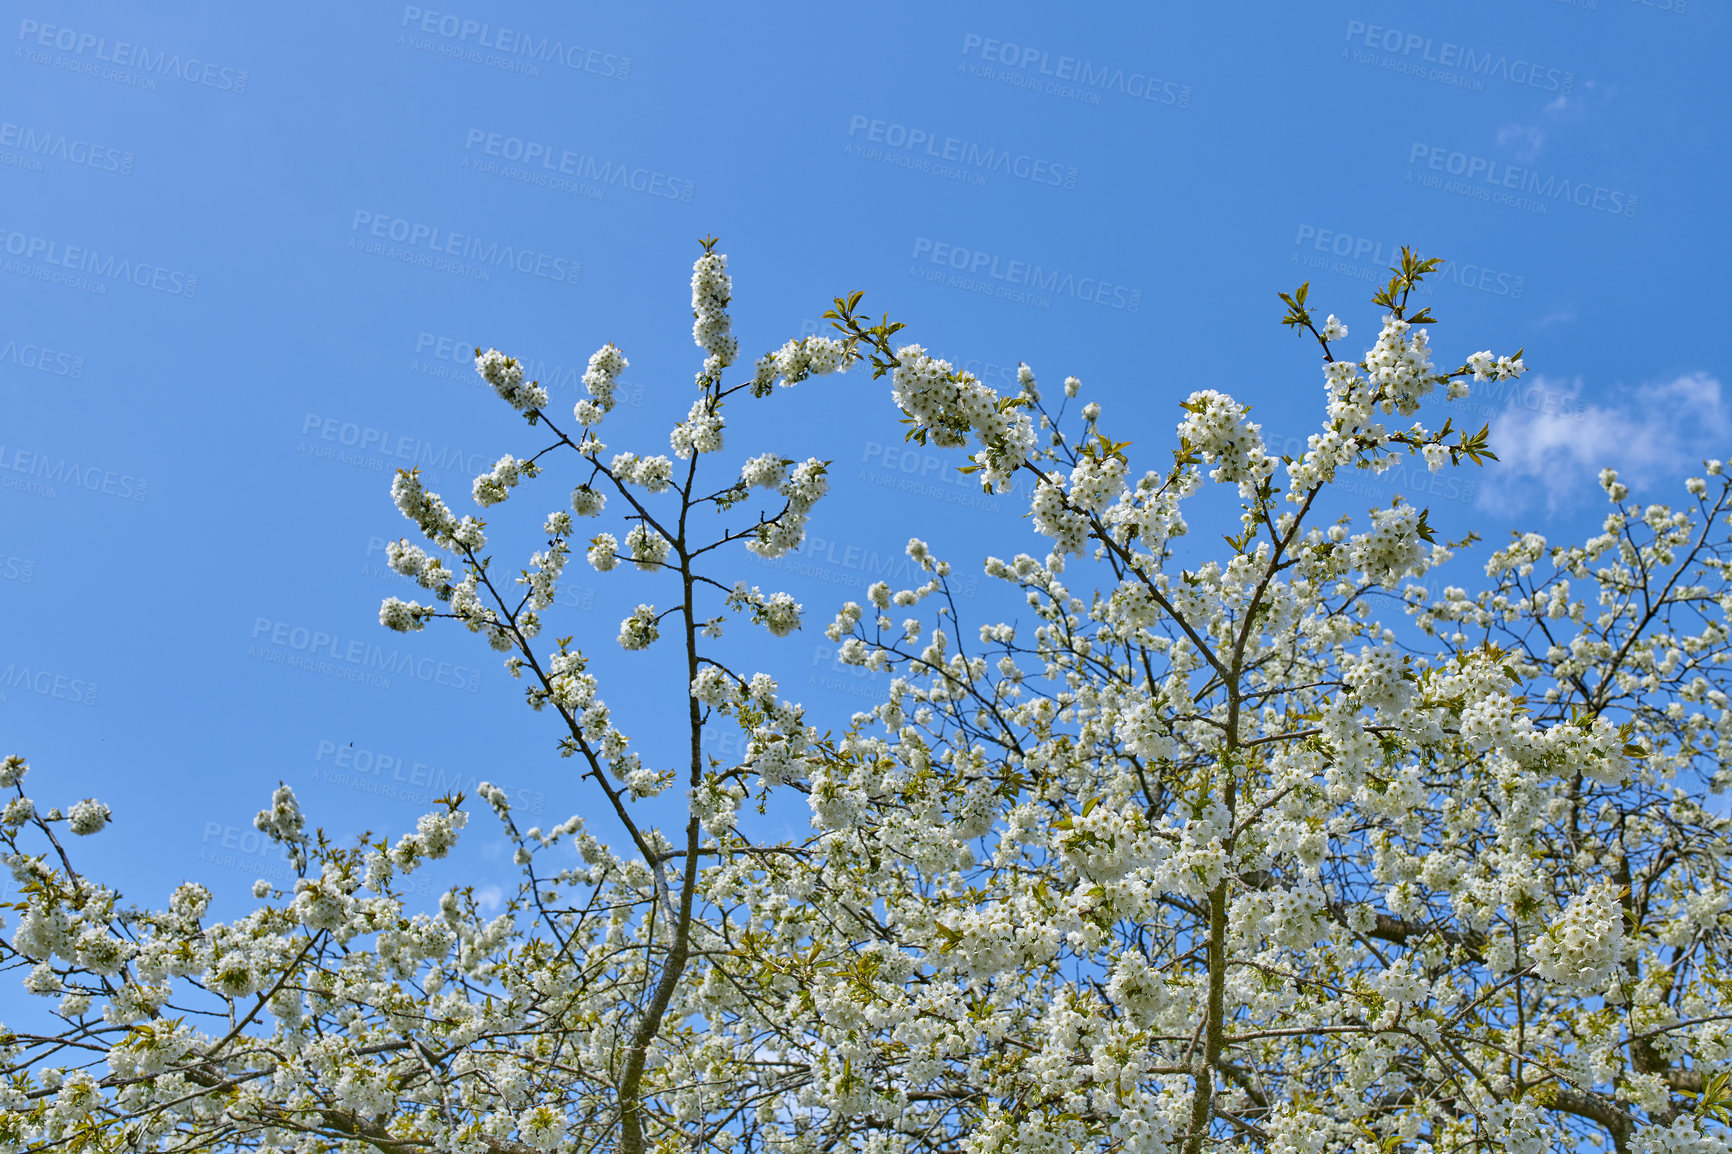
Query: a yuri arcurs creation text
[[1267, 845]]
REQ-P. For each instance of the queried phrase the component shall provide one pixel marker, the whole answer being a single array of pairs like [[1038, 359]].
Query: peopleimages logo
[[366, 770], [46, 683], [41, 358], [122, 54], [35, 146], [1510, 184], [60, 471], [1394, 43], [88, 261], [428, 243], [1381, 257], [516, 46], [985, 159], [361, 661], [413, 451], [1071, 76], [976, 263], [556, 162]]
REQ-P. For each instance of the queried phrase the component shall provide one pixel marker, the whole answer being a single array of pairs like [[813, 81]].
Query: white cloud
[[1527, 139], [1551, 445]]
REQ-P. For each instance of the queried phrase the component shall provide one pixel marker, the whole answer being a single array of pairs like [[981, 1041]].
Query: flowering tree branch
[[1280, 849]]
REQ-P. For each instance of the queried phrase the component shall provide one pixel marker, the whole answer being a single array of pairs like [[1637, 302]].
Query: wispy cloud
[[1653, 433], [1527, 138]]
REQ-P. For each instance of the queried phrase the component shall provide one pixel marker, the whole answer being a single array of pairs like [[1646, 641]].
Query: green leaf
[[1715, 1100]]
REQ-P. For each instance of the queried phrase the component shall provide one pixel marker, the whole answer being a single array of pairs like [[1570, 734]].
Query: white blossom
[[505, 374], [88, 816]]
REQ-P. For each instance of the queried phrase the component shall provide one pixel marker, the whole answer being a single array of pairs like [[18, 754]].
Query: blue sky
[[221, 330]]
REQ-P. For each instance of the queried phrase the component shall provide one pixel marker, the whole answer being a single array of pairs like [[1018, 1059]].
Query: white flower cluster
[[1144, 733], [1053, 516], [467, 607], [412, 561], [429, 572], [1381, 678], [600, 378], [424, 507], [701, 431], [952, 406], [712, 331], [639, 630], [716, 803], [495, 485], [654, 474], [1615, 489], [1219, 429], [1394, 377], [495, 797], [765, 471], [803, 486], [1584, 947], [435, 835], [1296, 919], [283, 821], [649, 549], [714, 686], [799, 359], [573, 691], [1097, 480], [1399, 367], [778, 745], [1486, 367], [541, 1128], [404, 616], [941, 400], [506, 377], [1683, 1135], [18, 811], [1149, 516], [88, 816], [1393, 548], [588, 501], [642, 783], [779, 612], [545, 566], [603, 552]]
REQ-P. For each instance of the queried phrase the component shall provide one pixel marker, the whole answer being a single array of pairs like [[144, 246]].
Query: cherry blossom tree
[[1260, 846]]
